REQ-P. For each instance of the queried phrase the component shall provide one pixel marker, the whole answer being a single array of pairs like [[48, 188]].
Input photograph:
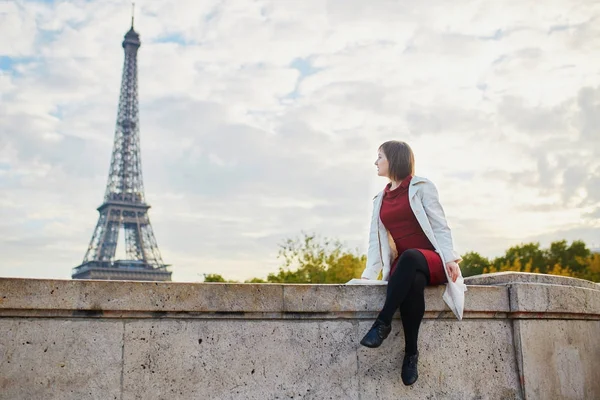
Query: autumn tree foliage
[[560, 258], [314, 259], [311, 259]]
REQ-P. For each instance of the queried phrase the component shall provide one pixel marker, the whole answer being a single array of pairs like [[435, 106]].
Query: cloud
[[260, 120]]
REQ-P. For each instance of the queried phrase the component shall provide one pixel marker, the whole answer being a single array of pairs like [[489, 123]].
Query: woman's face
[[382, 164]]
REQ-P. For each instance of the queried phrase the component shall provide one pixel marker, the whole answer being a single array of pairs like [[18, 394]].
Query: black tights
[[405, 290]]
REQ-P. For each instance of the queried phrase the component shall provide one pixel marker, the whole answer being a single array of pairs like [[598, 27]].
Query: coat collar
[[413, 188]]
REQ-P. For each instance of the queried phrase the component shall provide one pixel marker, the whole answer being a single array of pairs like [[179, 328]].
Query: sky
[[261, 120]]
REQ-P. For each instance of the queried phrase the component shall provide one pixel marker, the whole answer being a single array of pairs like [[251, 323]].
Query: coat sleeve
[[437, 219], [374, 262]]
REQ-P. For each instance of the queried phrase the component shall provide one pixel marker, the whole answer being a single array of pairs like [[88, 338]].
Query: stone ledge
[[504, 278], [544, 298], [136, 299], [138, 296], [357, 298]]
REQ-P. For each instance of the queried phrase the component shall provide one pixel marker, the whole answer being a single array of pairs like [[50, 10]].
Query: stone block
[[139, 296], [486, 299], [60, 359], [469, 359], [333, 298], [559, 359], [370, 298], [553, 299], [504, 278], [233, 359]]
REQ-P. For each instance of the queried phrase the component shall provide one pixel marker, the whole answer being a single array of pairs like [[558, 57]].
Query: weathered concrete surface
[[561, 359], [121, 299], [123, 296], [141, 340], [240, 360], [472, 359], [503, 278], [568, 302], [367, 299], [60, 359]]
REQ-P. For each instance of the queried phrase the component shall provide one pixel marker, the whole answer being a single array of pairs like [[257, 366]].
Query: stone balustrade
[[523, 336]]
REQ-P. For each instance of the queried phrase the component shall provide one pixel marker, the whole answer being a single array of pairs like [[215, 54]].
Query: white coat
[[424, 202]]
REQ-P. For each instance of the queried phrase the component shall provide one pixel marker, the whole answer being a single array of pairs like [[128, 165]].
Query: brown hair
[[401, 159]]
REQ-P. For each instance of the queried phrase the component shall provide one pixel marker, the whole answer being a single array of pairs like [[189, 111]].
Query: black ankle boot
[[376, 335], [410, 372]]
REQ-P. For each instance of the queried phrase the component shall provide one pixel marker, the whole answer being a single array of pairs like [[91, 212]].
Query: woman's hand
[[453, 270]]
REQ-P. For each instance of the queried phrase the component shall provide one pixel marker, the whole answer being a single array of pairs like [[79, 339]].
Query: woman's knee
[[415, 260], [412, 257]]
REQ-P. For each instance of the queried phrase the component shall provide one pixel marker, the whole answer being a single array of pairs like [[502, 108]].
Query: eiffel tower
[[124, 201]]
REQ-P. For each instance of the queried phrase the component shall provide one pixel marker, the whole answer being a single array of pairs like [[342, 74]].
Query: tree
[[347, 266], [578, 253], [557, 253], [215, 278], [515, 266], [592, 270], [311, 259], [473, 264], [571, 256], [559, 259], [255, 280], [558, 269], [571, 259], [525, 253]]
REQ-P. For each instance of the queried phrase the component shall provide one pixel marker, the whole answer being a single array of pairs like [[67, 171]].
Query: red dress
[[399, 219]]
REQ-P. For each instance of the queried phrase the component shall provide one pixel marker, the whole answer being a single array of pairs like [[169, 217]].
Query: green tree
[[560, 258], [311, 259], [557, 253], [592, 270], [528, 253], [578, 248], [473, 264], [573, 256], [216, 278], [347, 266], [569, 257], [255, 280]]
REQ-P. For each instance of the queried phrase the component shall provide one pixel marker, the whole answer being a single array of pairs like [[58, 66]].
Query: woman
[[410, 240]]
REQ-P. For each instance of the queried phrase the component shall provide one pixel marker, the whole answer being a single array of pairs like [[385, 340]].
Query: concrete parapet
[[504, 278], [523, 336]]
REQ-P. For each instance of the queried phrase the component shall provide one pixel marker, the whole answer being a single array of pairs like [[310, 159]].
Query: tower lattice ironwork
[[124, 205]]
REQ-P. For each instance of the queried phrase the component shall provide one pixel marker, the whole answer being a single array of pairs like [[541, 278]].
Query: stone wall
[[523, 336]]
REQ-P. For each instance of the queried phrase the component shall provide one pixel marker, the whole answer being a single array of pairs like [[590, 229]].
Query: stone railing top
[[136, 299], [503, 278]]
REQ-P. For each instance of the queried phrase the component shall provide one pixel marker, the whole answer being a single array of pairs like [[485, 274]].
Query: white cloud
[[262, 119]]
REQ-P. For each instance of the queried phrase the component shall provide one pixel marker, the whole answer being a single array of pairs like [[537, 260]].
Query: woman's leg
[[410, 271], [409, 278], [412, 311]]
